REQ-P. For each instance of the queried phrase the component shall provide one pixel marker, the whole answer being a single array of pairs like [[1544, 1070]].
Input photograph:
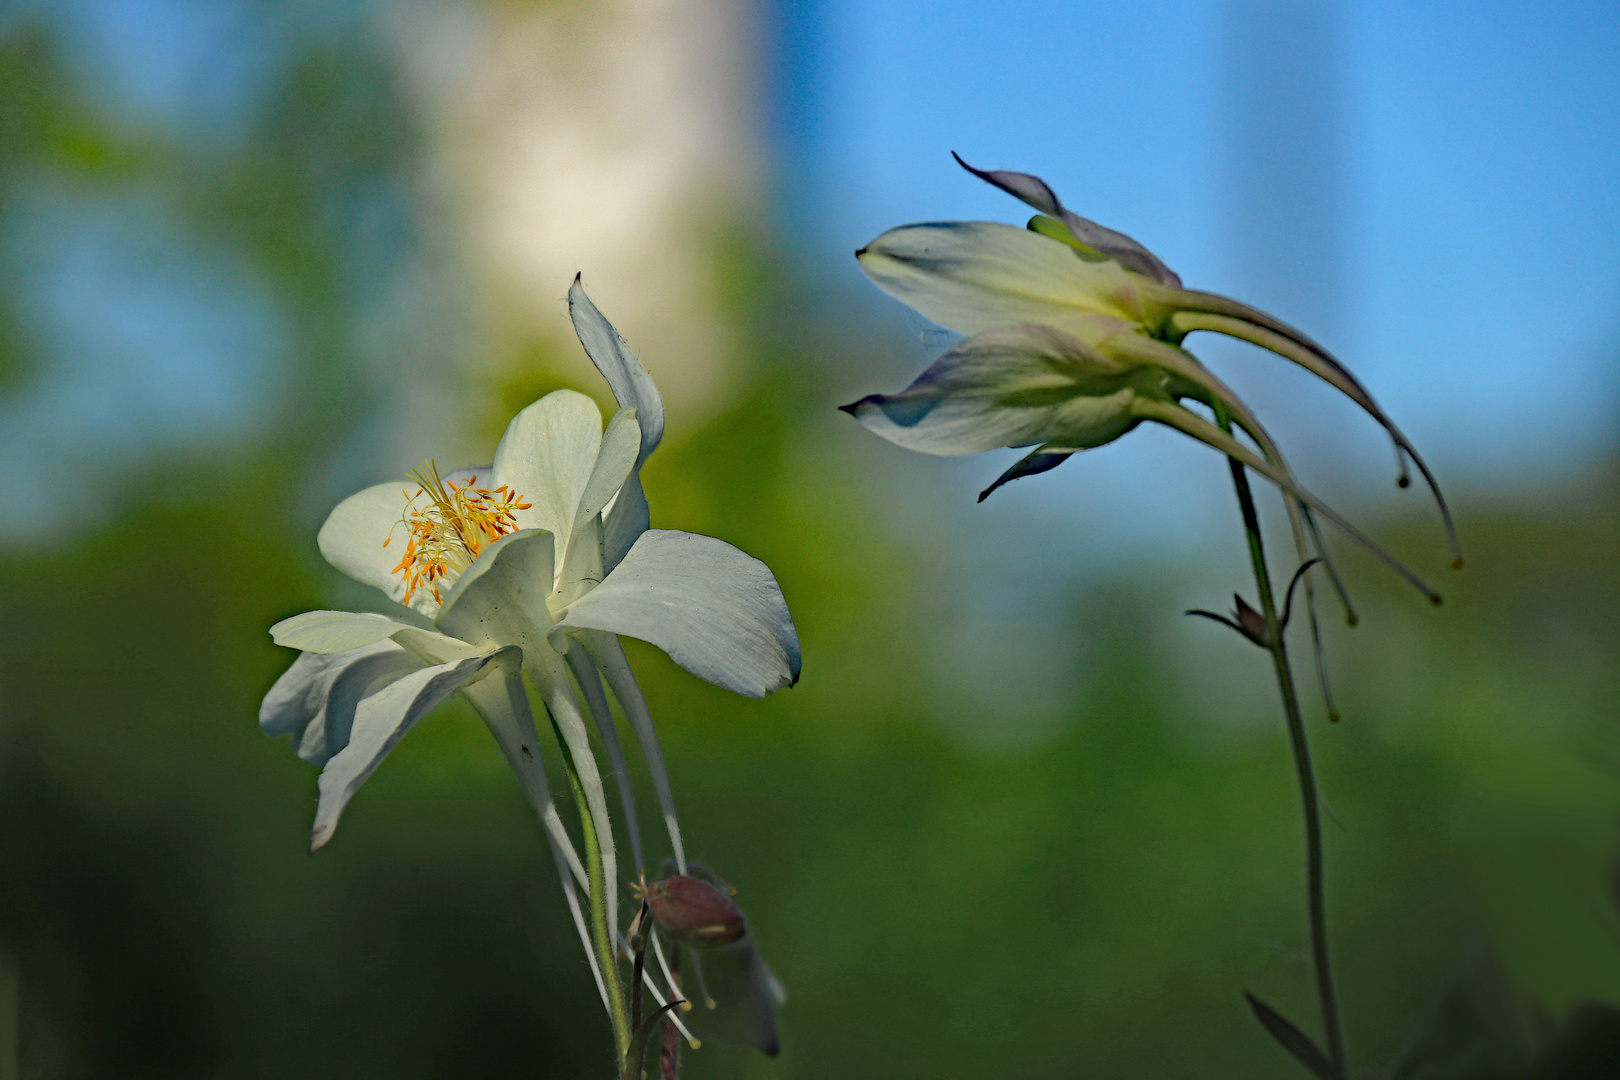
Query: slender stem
[[601, 932], [639, 967], [1278, 648]]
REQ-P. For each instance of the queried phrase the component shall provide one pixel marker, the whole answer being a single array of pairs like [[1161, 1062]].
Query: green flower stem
[[1326, 994], [601, 932]]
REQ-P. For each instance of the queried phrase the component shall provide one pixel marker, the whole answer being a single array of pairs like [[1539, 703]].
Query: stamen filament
[[443, 537]]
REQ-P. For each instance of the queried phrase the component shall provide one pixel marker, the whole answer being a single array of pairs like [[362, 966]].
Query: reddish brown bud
[[1252, 622], [693, 912]]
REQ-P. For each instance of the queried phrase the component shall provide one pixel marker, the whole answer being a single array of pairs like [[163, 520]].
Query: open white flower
[[534, 564]]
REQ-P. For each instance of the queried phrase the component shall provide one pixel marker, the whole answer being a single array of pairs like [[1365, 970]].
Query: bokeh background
[[1020, 817]]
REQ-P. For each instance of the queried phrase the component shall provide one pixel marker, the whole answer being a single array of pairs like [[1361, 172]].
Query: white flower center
[[445, 535]]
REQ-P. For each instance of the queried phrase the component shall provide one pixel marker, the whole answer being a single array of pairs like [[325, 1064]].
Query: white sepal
[[334, 631], [716, 611], [380, 721], [547, 456], [976, 275], [354, 533], [315, 699], [1011, 386]]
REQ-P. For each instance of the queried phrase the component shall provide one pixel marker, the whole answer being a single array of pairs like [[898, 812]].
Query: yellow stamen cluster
[[445, 535]]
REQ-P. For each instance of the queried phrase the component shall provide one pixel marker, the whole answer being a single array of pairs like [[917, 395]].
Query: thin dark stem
[[1278, 648], [640, 966]]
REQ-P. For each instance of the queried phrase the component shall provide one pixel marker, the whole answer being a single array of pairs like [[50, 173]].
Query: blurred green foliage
[[1093, 906]]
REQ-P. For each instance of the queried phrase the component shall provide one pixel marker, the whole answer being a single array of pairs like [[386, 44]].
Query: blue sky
[[1431, 190]]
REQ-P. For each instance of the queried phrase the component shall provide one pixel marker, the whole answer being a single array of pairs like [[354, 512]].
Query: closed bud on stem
[[1252, 622], [693, 912]]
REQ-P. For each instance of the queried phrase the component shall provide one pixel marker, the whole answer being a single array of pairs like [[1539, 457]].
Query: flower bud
[[694, 912], [1251, 621]]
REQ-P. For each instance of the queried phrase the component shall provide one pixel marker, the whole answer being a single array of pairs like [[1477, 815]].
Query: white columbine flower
[[533, 565], [1099, 287], [1075, 335]]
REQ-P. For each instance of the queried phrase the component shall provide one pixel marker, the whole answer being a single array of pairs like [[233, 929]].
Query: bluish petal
[[1037, 461], [1011, 386], [1116, 245]]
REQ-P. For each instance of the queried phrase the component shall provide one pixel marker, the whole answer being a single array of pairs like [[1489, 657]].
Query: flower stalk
[[1274, 643], [601, 921]]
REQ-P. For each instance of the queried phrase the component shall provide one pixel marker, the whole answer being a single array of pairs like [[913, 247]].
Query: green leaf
[[1293, 1040]]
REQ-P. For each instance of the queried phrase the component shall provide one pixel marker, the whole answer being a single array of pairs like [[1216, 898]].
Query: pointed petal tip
[[852, 406], [318, 838], [859, 252]]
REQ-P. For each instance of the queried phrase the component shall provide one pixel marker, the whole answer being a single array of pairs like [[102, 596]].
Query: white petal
[[976, 275], [590, 685], [614, 460], [501, 598], [632, 387], [1012, 386], [333, 631], [608, 654], [433, 647], [297, 696], [466, 477], [352, 538], [716, 611], [315, 699], [626, 517], [380, 721], [547, 456], [502, 700], [550, 675]]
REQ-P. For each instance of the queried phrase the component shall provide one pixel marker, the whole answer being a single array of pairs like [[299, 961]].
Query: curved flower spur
[[532, 565], [1074, 338]]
